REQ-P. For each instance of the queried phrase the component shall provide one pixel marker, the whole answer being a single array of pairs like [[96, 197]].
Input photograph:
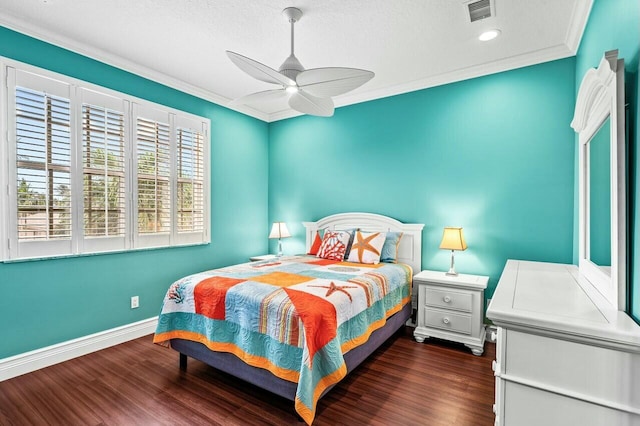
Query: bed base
[[264, 379]]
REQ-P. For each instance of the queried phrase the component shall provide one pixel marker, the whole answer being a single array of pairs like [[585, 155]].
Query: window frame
[[94, 244], [80, 93], [188, 237], [31, 248]]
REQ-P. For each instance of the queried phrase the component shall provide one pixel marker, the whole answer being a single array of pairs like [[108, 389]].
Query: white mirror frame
[[601, 95]]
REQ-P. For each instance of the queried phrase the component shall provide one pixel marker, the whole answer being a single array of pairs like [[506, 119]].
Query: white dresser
[[564, 355]]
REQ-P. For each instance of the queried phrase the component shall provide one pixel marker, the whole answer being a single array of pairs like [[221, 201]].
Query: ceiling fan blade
[[312, 105], [259, 71], [326, 82], [267, 95]]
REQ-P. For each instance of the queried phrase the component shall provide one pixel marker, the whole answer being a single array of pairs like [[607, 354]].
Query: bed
[[296, 325]]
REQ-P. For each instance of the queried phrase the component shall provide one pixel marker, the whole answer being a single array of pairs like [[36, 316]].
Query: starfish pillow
[[367, 247]]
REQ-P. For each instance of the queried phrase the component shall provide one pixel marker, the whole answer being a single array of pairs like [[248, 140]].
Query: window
[[154, 195], [153, 164], [103, 171], [43, 164], [102, 129], [92, 170], [190, 168]]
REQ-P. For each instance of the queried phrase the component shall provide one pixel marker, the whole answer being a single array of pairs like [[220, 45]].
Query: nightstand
[[452, 308], [262, 257]]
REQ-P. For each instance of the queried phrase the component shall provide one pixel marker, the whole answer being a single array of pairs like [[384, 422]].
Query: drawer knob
[[493, 365], [494, 409], [494, 336], [446, 299], [445, 320]]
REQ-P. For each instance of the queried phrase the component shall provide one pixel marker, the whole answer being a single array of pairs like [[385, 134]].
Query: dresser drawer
[[597, 373], [446, 320], [448, 299], [528, 406]]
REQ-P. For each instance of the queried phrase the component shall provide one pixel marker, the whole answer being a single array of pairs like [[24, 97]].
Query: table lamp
[[279, 230], [453, 239]]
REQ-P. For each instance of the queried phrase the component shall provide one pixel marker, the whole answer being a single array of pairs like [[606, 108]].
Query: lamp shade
[[279, 230], [453, 239]]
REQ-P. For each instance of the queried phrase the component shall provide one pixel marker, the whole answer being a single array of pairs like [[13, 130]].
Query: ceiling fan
[[309, 91]]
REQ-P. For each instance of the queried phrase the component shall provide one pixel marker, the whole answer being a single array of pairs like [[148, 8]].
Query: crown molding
[[579, 18], [557, 52], [116, 61]]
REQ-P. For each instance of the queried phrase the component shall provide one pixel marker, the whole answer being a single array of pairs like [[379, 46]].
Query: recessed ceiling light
[[489, 35]]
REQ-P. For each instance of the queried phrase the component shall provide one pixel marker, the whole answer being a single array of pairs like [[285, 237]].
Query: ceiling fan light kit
[[309, 91]]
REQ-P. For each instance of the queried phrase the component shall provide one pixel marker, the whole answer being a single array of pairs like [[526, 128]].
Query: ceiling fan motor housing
[[291, 67]]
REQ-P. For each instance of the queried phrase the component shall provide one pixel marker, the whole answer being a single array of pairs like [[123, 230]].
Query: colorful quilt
[[294, 316]]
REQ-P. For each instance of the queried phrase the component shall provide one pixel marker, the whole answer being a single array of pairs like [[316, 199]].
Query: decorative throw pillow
[[366, 247], [389, 252], [334, 244], [315, 247]]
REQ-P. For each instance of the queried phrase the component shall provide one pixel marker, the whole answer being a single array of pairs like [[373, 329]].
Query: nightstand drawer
[[446, 320], [448, 299]]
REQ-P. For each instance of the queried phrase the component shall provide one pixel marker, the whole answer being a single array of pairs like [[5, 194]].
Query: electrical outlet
[[135, 302]]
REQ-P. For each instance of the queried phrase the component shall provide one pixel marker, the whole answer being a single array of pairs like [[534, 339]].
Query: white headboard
[[409, 250]]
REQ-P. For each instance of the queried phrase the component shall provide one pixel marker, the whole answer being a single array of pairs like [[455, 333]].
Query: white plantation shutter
[[190, 197], [40, 120], [43, 163], [90, 170], [190, 178], [153, 177], [103, 122]]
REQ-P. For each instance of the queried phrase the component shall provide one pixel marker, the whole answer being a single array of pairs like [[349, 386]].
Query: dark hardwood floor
[[139, 383]]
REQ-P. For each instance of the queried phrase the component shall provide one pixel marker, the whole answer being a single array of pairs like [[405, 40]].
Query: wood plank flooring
[[139, 383]]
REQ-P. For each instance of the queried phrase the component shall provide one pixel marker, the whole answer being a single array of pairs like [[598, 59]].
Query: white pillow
[[367, 247]]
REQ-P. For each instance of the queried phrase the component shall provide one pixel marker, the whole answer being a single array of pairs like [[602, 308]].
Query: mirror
[[599, 182], [599, 121]]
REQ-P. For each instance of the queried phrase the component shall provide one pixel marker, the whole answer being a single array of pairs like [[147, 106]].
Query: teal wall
[[49, 301], [615, 24], [493, 155]]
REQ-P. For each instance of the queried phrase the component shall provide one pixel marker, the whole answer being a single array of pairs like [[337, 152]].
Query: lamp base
[[452, 271]]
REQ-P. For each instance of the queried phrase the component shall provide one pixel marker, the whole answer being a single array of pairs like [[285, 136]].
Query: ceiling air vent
[[479, 10]]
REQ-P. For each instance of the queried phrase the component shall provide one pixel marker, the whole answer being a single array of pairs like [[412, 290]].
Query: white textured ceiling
[[408, 44]]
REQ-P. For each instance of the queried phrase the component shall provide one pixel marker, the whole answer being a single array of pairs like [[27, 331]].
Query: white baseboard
[[34, 360]]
